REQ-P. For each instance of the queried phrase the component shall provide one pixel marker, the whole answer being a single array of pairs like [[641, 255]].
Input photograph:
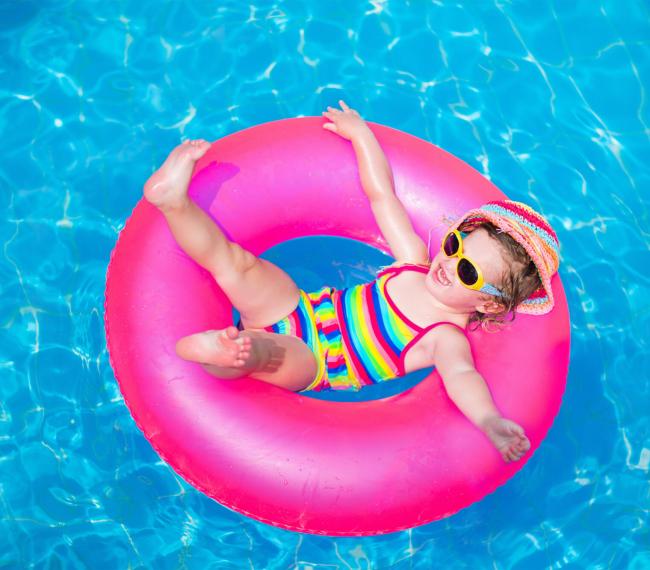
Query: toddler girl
[[494, 260]]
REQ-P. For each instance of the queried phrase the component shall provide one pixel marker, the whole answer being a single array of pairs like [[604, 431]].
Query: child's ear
[[488, 306]]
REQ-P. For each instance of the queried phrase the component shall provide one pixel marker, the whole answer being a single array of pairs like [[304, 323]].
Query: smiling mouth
[[441, 276]]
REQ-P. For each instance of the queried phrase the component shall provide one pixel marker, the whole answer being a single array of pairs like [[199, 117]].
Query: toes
[[244, 342], [231, 332], [226, 341], [194, 145], [198, 150]]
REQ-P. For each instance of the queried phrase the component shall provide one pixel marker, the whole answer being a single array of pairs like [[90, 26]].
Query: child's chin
[[447, 295], [437, 287], [439, 292]]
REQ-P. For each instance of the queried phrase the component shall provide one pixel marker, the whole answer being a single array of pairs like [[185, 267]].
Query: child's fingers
[[330, 127], [515, 428], [347, 109]]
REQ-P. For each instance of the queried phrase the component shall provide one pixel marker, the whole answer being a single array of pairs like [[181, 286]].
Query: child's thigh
[[289, 362], [262, 293]]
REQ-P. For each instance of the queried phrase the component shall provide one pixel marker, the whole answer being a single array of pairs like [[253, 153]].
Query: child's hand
[[508, 437], [346, 123]]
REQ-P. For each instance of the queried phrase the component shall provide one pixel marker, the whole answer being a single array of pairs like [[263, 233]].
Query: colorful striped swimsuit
[[358, 334]]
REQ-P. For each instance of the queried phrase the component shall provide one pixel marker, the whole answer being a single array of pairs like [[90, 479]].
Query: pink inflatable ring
[[283, 458]]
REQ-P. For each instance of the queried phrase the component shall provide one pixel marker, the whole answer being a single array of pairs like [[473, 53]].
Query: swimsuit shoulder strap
[[404, 266], [424, 331], [434, 325]]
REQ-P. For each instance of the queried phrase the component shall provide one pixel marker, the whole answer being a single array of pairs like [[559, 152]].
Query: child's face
[[450, 292]]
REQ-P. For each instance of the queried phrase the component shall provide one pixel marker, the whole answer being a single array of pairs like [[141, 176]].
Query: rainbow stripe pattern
[[314, 321], [358, 335], [374, 332]]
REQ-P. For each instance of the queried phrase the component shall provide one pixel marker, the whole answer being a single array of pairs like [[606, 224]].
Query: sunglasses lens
[[451, 244], [467, 272]]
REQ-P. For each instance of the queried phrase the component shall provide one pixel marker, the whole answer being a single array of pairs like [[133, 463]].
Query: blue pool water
[[548, 99]]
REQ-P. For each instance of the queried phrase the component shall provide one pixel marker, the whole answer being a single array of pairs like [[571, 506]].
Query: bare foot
[[508, 437], [167, 187], [224, 348]]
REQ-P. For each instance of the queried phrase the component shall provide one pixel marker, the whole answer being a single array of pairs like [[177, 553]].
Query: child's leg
[[282, 360], [261, 292]]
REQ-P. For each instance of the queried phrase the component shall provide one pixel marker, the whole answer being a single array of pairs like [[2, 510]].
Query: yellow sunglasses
[[469, 273]]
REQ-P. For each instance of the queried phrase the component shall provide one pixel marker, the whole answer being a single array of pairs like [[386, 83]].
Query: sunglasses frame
[[480, 284]]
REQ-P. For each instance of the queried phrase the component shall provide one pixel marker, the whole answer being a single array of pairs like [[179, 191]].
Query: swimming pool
[[546, 99]]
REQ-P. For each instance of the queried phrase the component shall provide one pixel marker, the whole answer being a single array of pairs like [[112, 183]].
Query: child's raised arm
[[377, 182]]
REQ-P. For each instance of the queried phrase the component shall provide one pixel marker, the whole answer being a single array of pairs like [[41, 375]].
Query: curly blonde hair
[[519, 281]]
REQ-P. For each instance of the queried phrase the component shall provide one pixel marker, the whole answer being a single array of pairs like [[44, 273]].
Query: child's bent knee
[[235, 264], [244, 260]]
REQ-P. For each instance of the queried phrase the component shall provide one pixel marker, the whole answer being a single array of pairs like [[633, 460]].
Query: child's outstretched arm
[[377, 182], [468, 390]]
